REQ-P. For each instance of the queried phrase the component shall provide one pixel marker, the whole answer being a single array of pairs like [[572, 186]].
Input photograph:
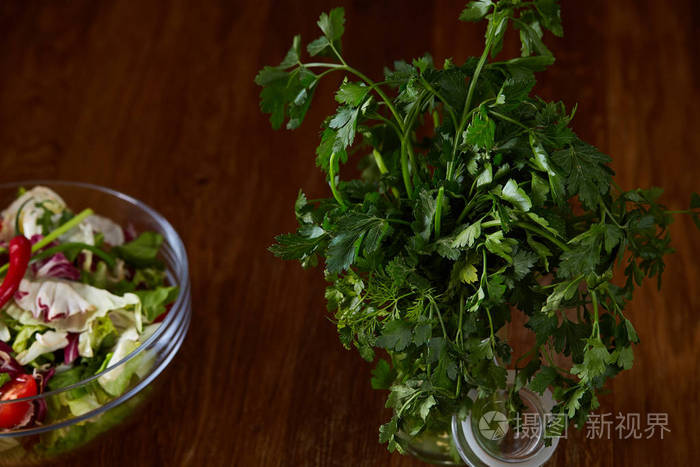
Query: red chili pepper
[[20, 252]]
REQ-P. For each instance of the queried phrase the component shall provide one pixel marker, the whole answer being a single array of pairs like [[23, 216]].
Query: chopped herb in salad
[[79, 293]]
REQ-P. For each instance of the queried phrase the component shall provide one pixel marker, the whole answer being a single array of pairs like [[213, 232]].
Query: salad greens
[[476, 198], [87, 296]]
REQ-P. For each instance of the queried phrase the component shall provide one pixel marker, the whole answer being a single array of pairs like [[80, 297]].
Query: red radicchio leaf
[[70, 352], [56, 266], [42, 378], [129, 232], [4, 347], [7, 362]]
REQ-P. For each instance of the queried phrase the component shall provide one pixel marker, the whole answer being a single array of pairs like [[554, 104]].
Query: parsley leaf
[[587, 174], [467, 237], [481, 131], [543, 379], [397, 335], [475, 10], [383, 375], [516, 195]]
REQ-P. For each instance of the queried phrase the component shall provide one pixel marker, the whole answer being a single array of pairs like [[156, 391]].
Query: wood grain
[[157, 99]]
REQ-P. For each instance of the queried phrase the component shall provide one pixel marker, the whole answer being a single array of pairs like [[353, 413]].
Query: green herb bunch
[[475, 199]]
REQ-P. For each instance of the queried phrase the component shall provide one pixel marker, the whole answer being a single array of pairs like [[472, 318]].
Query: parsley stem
[[606, 210], [487, 224], [407, 147], [409, 150], [596, 326], [438, 211], [508, 119], [466, 111], [472, 83], [448, 107], [459, 337], [532, 229], [530, 352], [437, 310], [337, 54], [492, 339], [331, 176], [404, 170], [544, 234], [323, 65], [468, 207], [382, 118], [378, 90], [379, 160], [408, 401]]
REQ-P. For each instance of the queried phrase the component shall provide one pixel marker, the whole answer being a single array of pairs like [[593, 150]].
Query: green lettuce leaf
[[142, 251], [153, 302]]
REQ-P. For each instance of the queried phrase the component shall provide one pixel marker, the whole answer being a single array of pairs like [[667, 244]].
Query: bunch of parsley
[[501, 206]]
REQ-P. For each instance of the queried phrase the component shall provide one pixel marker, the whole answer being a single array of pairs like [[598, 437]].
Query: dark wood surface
[[157, 99]]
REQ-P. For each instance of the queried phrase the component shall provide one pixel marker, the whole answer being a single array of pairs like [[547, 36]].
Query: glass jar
[[489, 437], [434, 444]]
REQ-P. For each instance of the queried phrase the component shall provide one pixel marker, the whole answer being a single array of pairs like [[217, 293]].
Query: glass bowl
[[60, 435]]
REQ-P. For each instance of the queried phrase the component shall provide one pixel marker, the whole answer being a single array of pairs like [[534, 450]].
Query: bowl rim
[[178, 311]]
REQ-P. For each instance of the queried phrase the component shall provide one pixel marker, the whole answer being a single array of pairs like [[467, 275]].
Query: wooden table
[[157, 99]]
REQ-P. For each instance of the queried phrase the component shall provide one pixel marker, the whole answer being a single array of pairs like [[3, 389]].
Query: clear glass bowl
[[60, 435]]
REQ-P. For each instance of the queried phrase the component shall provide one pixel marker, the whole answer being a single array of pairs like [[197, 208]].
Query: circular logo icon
[[493, 425]]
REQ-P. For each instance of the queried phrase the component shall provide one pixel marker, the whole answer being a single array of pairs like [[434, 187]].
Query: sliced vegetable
[[20, 251], [8, 364], [47, 342], [70, 352], [56, 266], [18, 413]]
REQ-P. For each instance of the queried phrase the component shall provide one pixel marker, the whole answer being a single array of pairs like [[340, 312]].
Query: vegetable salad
[[79, 294]]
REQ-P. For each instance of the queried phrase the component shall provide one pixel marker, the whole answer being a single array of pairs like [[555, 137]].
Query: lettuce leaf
[[99, 301], [153, 302], [102, 331], [24, 336], [4, 331], [142, 251], [116, 380], [48, 342]]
